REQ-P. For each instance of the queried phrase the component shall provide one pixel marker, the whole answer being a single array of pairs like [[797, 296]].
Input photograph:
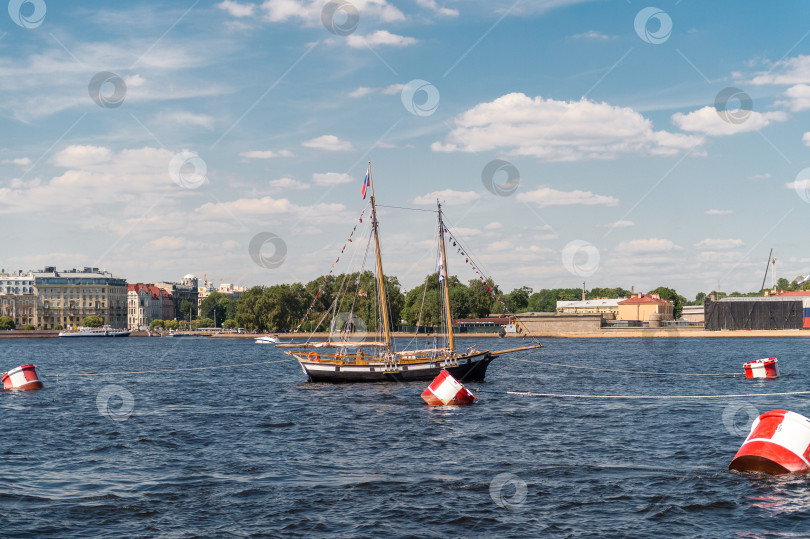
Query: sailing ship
[[342, 360]]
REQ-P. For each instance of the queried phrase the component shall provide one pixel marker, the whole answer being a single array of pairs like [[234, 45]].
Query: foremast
[[382, 295], [446, 289]]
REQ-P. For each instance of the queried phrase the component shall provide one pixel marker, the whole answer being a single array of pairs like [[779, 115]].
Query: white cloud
[[449, 197], [709, 122], [184, 118], [559, 130], [308, 12], [647, 246], [235, 9], [328, 142], [364, 91], [265, 154], [718, 212], [546, 196], [379, 38], [618, 224], [20, 161], [806, 138], [798, 98], [592, 34], [494, 225], [710, 244], [288, 183], [432, 5], [271, 208], [331, 178], [78, 156], [794, 70], [764, 176]]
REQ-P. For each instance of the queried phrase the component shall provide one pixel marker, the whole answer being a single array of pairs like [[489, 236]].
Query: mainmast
[[448, 316], [380, 277]]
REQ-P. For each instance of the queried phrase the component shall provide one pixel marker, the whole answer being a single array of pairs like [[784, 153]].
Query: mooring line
[[659, 397], [626, 370], [167, 370]]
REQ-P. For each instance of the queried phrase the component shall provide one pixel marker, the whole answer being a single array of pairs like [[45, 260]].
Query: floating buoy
[[23, 378], [762, 368], [779, 442], [444, 389]]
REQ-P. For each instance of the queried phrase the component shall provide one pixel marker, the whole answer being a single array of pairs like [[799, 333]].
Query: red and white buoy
[[23, 378], [762, 368], [445, 389], [779, 442]]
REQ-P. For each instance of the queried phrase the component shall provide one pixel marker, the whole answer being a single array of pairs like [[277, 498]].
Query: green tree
[[248, 313], [6, 322], [93, 322], [216, 307], [171, 324], [481, 300], [669, 294], [518, 299], [229, 324], [782, 284], [202, 323], [187, 307], [156, 324], [29, 327], [58, 327]]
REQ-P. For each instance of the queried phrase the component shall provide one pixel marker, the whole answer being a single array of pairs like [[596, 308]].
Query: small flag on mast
[[366, 182]]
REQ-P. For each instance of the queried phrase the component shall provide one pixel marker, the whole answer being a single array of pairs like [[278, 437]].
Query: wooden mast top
[[380, 277], [447, 312]]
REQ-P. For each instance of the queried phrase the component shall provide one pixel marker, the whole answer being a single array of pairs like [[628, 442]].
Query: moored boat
[[343, 360], [103, 331], [266, 339]]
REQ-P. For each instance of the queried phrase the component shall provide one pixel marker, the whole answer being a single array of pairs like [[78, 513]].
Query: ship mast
[[380, 277], [446, 291]]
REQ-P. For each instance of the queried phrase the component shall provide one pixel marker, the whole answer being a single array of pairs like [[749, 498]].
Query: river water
[[257, 451]]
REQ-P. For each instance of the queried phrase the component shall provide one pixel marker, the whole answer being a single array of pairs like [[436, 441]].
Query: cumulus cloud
[[559, 130], [798, 98], [184, 118], [307, 12], [449, 197], [364, 91], [709, 122], [20, 161], [647, 246], [328, 142], [379, 38], [546, 196], [806, 138], [794, 70], [710, 244], [288, 183], [433, 6], [331, 178], [265, 154], [618, 224]]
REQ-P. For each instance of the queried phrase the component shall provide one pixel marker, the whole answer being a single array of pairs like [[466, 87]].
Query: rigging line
[[169, 370], [638, 397], [404, 208], [625, 370]]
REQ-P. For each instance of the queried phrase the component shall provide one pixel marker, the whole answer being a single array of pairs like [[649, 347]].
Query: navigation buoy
[[23, 378], [444, 389], [762, 368], [779, 442]]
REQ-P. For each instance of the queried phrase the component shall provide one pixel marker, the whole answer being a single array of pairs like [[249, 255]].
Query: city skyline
[[614, 143]]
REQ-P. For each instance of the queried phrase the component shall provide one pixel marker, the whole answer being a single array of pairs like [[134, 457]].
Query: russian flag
[[366, 182]]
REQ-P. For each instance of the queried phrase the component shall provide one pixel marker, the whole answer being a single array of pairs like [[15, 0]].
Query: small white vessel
[[103, 331], [267, 339]]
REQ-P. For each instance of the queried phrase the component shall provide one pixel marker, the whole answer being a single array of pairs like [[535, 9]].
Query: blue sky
[[654, 147]]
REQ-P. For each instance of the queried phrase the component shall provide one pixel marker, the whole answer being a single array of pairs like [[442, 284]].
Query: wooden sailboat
[[379, 361]]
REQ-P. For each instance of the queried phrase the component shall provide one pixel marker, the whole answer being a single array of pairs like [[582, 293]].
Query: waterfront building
[[67, 297], [187, 290], [607, 307], [643, 307], [18, 298], [145, 303]]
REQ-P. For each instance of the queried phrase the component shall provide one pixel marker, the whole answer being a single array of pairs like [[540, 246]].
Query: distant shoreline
[[607, 333]]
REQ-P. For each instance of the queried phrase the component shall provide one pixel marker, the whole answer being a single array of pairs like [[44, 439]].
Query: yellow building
[[642, 306]]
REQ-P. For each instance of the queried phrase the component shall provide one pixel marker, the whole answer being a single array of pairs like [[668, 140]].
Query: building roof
[[602, 302], [643, 298]]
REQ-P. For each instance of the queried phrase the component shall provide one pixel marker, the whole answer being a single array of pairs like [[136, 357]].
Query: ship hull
[[469, 369]]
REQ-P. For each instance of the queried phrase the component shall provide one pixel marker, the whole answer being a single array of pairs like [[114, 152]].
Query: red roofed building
[[642, 306], [146, 302]]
